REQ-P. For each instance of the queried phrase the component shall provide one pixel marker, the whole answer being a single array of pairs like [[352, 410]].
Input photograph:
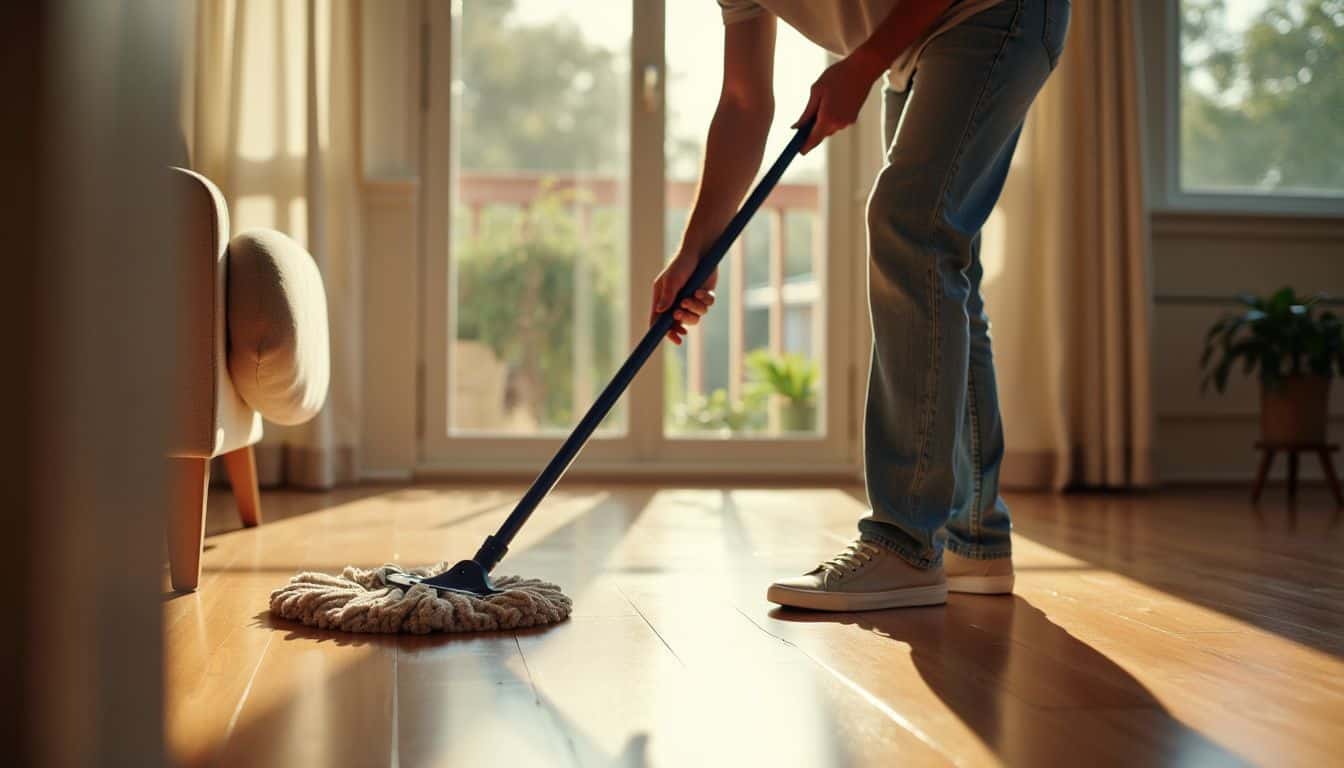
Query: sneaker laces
[[854, 557]]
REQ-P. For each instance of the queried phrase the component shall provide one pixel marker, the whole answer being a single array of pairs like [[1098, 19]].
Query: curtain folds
[[270, 115], [1067, 273]]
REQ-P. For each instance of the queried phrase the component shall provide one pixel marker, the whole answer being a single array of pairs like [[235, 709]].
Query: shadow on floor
[[1030, 691], [1273, 566]]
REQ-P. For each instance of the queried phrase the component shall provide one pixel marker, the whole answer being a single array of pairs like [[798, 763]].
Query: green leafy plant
[[792, 377], [1279, 336], [517, 280], [717, 413]]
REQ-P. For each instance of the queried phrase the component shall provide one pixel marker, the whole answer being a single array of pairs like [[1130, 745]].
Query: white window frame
[[1160, 39], [645, 448]]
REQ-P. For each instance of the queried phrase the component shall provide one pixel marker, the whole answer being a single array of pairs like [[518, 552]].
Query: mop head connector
[[392, 599]]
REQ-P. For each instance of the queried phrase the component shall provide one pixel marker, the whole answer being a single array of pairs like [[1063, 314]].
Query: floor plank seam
[[656, 633], [1258, 617], [242, 700], [544, 707], [753, 622], [867, 696], [527, 669], [395, 759], [863, 693]]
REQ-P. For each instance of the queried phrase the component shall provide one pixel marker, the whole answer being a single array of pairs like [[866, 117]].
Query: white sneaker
[[865, 577], [978, 577]]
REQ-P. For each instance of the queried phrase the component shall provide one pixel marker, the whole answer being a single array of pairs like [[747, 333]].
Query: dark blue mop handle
[[494, 548]]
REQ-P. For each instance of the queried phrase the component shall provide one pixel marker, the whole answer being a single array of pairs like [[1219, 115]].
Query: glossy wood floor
[[1180, 629]]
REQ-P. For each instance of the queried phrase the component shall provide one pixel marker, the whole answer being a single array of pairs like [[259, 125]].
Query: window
[[1255, 109], [549, 199]]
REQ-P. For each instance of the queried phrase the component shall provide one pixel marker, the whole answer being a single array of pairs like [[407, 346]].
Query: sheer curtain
[[1067, 278], [269, 115]]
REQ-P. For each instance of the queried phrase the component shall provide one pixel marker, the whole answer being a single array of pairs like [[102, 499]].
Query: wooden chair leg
[[242, 467], [1292, 475], [1328, 466], [1266, 462], [186, 521]]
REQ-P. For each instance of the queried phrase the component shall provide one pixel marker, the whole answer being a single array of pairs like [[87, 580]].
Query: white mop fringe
[[361, 600]]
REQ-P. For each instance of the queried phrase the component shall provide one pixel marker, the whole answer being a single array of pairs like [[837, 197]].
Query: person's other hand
[[837, 97], [692, 308]]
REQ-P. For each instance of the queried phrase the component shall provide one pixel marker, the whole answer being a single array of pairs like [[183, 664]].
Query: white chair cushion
[[279, 357]]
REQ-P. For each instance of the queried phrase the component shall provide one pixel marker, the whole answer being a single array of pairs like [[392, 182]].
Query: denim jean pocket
[[1056, 28]]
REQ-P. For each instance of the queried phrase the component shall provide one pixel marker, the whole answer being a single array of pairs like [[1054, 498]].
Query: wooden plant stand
[[1322, 450]]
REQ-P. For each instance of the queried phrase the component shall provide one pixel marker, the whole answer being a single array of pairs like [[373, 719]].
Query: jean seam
[[977, 471], [930, 409], [1051, 21]]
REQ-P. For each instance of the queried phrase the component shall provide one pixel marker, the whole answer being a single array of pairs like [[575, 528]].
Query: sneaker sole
[[909, 597], [981, 585]]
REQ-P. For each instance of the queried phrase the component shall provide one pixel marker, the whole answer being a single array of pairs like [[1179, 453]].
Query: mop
[[464, 598]]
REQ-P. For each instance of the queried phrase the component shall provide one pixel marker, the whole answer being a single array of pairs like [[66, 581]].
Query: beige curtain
[[270, 116], [1066, 258]]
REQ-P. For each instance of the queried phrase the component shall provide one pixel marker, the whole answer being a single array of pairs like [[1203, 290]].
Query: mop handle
[[494, 548]]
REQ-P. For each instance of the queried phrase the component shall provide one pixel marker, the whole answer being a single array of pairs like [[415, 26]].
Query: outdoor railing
[[477, 191]]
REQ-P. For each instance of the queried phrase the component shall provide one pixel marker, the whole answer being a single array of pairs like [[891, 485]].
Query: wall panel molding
[[1261, 227]]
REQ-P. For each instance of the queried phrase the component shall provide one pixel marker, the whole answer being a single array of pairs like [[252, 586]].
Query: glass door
[[540, 214], [754, 381], [531, 267], [562, 145]]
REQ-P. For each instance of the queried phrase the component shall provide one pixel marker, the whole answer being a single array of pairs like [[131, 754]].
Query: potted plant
[[791, 378], [717, 413], [1295, 348]]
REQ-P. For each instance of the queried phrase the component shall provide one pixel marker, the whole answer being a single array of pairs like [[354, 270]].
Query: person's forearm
[[733, 153], [904, 26]]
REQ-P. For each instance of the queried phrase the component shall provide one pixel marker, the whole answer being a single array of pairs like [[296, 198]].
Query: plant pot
[[798, 417], [1295, 412]]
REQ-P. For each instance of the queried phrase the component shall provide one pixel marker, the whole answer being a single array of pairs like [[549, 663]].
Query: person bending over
[[960, 76]]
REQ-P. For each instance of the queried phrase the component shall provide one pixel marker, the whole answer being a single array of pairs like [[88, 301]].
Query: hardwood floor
[[1176, 629]]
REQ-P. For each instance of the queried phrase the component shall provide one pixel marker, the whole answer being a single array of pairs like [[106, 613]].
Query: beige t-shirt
[[840, 26]]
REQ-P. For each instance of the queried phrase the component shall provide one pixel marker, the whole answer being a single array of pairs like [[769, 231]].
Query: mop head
[[361, 600]]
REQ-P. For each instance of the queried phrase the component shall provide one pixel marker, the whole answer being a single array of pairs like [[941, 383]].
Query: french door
[[561, 145]]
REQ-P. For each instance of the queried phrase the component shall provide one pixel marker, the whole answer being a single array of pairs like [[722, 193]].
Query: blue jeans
[[933, 438]]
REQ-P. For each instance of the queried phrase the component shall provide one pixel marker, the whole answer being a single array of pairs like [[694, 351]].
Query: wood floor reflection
[[1180, 629]]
